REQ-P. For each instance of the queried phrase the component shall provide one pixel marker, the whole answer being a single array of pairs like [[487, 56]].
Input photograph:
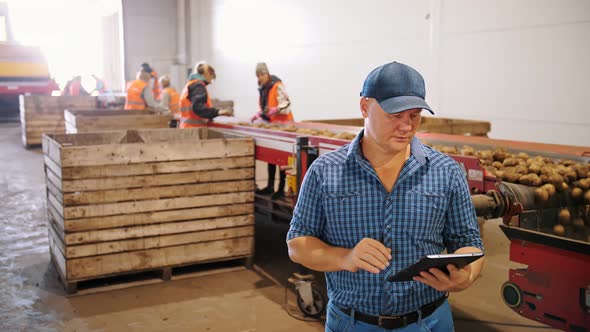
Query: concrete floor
[[31, 298]]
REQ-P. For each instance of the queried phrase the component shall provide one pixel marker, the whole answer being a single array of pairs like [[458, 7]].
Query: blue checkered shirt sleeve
[[308, 216], [461, 228]]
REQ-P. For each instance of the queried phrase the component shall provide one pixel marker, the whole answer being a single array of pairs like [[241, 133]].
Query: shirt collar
[[417, 149]]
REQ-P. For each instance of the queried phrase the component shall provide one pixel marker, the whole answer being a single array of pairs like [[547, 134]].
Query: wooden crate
[[45, 114], [431, 125], [127, 201], [84, 121]]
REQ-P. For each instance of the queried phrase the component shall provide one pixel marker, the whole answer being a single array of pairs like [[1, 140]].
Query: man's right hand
[[369, 255]]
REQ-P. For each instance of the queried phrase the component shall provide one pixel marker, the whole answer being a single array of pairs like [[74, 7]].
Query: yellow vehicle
[[23, 69]]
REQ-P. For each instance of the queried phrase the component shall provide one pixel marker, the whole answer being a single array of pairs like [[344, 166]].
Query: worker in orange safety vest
[[274, 106], [169, 98], [139, 93], [196, 109]]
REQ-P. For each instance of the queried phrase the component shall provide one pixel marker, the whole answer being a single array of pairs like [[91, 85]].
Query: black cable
[[503, 324]]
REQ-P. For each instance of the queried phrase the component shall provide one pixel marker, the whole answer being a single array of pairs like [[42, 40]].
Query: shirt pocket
[[350, 218], [426, 222]]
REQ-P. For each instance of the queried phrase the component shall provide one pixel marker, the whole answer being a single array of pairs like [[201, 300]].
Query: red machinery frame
[[554, 288]]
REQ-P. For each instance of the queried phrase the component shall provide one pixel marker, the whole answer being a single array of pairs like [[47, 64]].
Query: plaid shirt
[[429, 209]]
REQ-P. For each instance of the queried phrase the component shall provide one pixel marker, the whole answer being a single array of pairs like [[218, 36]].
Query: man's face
[[391, 132], [263, 78]]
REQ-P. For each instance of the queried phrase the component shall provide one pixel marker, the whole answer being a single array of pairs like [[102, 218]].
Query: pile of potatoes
[[548, 176], [303, 131]]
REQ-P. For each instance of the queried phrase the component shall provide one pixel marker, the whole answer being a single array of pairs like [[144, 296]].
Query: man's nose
[[405, 123]]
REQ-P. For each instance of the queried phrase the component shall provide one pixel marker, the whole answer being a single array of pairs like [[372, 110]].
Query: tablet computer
[[437, 261]]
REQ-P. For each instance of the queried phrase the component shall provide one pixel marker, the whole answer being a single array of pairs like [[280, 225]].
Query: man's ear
[[364, 105]]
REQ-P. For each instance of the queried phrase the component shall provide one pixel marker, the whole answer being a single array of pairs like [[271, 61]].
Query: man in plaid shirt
[[378, 204]]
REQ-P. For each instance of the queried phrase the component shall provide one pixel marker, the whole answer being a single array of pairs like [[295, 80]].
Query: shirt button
[[387, 227]]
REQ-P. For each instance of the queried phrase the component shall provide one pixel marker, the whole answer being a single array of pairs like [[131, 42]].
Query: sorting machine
[[553, 288]]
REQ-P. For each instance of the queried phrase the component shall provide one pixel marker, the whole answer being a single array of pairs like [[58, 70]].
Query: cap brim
[[403, 103]]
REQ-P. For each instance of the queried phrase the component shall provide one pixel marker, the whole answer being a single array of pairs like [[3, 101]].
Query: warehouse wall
[[150, 35], [321, 50], [520, 64]]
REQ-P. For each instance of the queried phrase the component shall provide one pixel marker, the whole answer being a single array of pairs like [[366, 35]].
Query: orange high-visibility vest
[[75, 87], [188, 118], [273, 101], [174, 100], [134, 99]]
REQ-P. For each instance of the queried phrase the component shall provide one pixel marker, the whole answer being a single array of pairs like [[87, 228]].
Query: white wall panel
[[150, 35]]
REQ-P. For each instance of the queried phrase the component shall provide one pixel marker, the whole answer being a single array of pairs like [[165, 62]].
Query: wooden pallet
[[431, 125], [44, 114], [127, 201], [154, 276], [85, 121]]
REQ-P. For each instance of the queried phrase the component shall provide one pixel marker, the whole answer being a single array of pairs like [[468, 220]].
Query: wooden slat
[[168, 151], [88, 172], [123, 195], [145, 231], [57, 234], [54, 190], [156, 180], [104, 248], [52, 166], [52, 149], [51, 200], [91, 267], [110, 209], [58, 258], [56, 216], [73, 225], [51, 177]]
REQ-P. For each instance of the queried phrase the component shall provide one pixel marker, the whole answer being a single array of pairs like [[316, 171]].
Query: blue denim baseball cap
[[396, 87]]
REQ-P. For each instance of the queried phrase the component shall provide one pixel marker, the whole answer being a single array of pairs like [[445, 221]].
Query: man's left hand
[[456, 281]]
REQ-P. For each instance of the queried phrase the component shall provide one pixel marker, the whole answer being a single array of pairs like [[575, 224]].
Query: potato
[[578, 223], [541, 195], [530, 180], [550, 189], [567, 162], [484, 154], [522, 155], [577, 193], [581, 170], [498, 164], [449, 150], [346, 136], [584, 184], [500, 154], [556, 180], [535, 168], [521, 169], [467, 151], [486, 162], [564, 216], [564, 187], [510, 162], [559, 230]]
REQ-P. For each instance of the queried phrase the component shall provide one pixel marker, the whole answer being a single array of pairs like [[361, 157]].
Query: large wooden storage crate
[[45, 114], [84, 121], [137, 200], [430, 125]]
